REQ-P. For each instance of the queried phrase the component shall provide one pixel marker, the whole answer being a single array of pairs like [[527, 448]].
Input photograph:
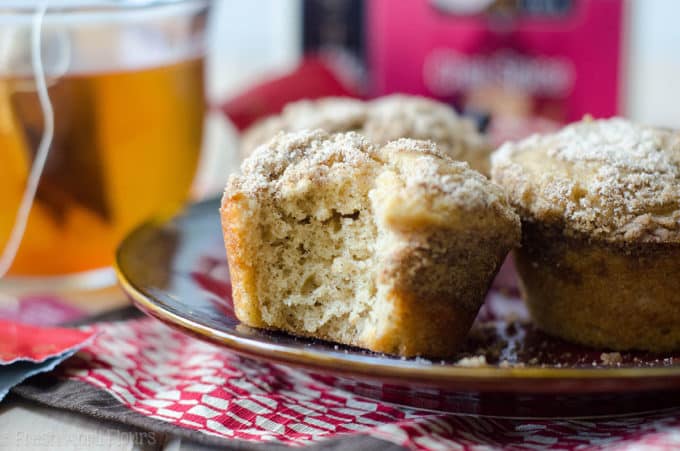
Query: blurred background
[[553, 59]]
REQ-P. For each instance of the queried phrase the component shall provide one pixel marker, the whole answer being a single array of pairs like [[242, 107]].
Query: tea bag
[[71, 176], [73, 171], [22, 212]]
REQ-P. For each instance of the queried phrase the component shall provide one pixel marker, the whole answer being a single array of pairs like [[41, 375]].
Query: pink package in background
[[559, 59]]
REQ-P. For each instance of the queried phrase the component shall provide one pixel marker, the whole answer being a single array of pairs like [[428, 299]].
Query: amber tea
[[125, 149]]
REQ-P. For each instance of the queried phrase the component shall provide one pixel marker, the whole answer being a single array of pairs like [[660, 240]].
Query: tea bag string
[[19, 227]]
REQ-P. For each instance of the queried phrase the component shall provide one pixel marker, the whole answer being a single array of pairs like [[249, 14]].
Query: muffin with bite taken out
[[390, 247]]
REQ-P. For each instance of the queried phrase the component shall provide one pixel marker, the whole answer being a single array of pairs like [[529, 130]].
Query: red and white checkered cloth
[[169, 376]]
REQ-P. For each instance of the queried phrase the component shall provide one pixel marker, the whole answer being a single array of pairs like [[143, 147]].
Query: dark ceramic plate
[[176, 271]]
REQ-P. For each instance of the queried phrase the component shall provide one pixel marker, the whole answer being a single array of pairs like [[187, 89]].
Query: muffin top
[[413, 183], [381, 120], [610, 180], [400, 116], [333, 114]]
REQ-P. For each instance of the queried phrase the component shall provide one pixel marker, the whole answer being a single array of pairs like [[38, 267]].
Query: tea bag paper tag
[[26, 350]]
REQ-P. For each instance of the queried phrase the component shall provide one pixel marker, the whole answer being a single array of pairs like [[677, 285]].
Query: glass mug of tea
[[126, 87]]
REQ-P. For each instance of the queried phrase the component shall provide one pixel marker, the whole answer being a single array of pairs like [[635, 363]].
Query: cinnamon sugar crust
[[332, 114], [610, 180], [401, 116], [381, 121]]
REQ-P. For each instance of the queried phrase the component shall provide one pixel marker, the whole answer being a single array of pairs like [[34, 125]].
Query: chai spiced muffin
[[600, 208], [332, 114], [381, 121], [390, 248]]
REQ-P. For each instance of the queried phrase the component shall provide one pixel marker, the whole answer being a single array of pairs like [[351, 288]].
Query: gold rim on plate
[[372, 366]]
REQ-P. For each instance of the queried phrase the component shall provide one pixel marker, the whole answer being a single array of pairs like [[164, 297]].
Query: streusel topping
[[609, 179], [382, 120], [308, 157], [332, 114], [302, 157], [401, 116]]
